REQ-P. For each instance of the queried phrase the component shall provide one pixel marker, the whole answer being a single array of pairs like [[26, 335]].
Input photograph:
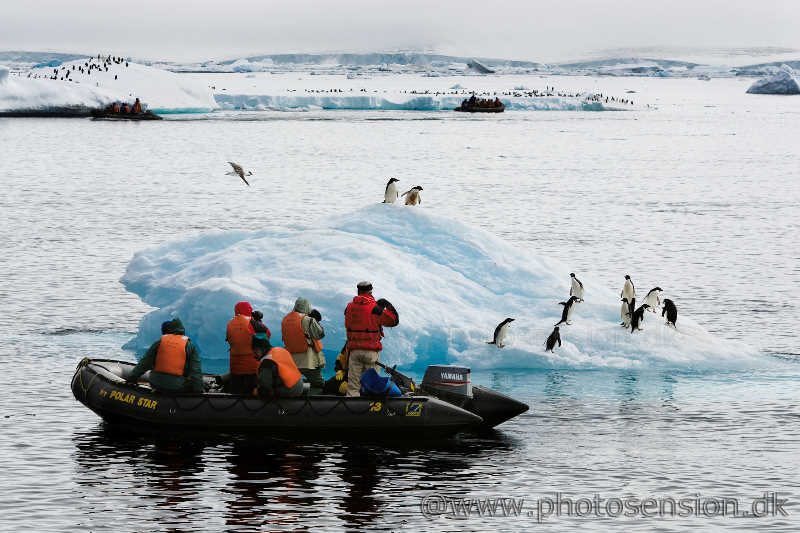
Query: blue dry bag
[[373, 385]]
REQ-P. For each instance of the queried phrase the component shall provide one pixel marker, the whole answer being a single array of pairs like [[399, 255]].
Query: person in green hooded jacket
[[172, 360], [302, 335]]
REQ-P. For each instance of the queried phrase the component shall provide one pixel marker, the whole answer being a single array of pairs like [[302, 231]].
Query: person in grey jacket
[[302, 334]]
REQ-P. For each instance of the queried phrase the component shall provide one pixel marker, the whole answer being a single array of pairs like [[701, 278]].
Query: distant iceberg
[[162, 91], [780, 81], [450, 282], [397, 101], [480, 68]]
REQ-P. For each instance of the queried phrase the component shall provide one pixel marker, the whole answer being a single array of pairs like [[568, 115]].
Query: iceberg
[[779, 81], [162, 91], [290, 102], [451, 283], [480, 68]]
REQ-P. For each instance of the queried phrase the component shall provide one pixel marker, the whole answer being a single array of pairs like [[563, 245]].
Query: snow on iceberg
[[3, 74], [162, 91], [780, 81], [400, 102], [451, 284]]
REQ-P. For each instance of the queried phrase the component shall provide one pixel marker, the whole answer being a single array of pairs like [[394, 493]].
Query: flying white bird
[[239, 171]]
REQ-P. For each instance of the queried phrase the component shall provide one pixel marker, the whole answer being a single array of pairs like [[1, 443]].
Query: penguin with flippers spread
[[500, 332]]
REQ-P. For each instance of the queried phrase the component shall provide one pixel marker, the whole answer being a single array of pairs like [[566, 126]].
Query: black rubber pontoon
[[101, 114], [478, 109], [99, 385]]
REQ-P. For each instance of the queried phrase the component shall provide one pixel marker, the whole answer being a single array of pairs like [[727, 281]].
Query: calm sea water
[[699, 195]]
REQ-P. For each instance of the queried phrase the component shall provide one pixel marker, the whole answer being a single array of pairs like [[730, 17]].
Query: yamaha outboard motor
[[453, 384], [447, 382]]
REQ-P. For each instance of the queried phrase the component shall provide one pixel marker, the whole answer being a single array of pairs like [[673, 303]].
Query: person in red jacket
[[364, 320], [243, 362]]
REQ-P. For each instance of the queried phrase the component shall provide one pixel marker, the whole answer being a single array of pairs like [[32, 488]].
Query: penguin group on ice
[[412, 196], [632, 316]]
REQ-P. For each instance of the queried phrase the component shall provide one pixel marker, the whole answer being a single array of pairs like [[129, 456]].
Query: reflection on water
[[251, 484]]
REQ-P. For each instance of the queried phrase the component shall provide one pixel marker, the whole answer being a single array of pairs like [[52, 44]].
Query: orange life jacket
[[294, 337], [137, 107], [287, 370], [171, 355], [240, 337]]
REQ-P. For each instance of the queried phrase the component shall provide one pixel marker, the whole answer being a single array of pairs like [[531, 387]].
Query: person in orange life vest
[[278, 376], [364, 320], [137, 106], [172, 360], [243, 362], [302, 334]]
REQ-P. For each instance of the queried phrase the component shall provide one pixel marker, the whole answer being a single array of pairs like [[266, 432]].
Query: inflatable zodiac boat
[[441, 406], [102, 114]]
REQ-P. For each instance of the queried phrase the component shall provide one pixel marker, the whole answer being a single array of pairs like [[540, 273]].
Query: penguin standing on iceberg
[[577, 287], [625, 313], [390, 194], [671, 311], [638, 318], [628, 290], [412, 195], [500, 332], [653, 299], [555, 337], [566, 313]]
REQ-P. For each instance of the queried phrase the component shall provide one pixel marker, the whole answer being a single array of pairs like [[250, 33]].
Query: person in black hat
[[364, 320], [173, 361]]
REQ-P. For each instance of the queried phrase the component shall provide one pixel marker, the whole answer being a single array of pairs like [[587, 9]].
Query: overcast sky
[[533, 29]]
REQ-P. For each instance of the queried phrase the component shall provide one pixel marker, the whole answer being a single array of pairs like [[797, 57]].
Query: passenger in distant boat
[[126, 108], [338, 383], [172, 360], [137, 106], [302, 336], [278, 376], [243, 362], [497, 102], [364, 320], [116, 107]]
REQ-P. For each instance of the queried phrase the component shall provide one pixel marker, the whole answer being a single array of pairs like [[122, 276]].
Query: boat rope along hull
[[98, 385]]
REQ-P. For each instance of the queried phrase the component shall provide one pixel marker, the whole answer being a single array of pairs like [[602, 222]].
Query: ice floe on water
[[780, 81], [162, 91], [450, 282]]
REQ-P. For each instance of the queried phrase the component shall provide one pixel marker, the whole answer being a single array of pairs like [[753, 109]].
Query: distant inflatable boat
[[102, 114], [479, 109]]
